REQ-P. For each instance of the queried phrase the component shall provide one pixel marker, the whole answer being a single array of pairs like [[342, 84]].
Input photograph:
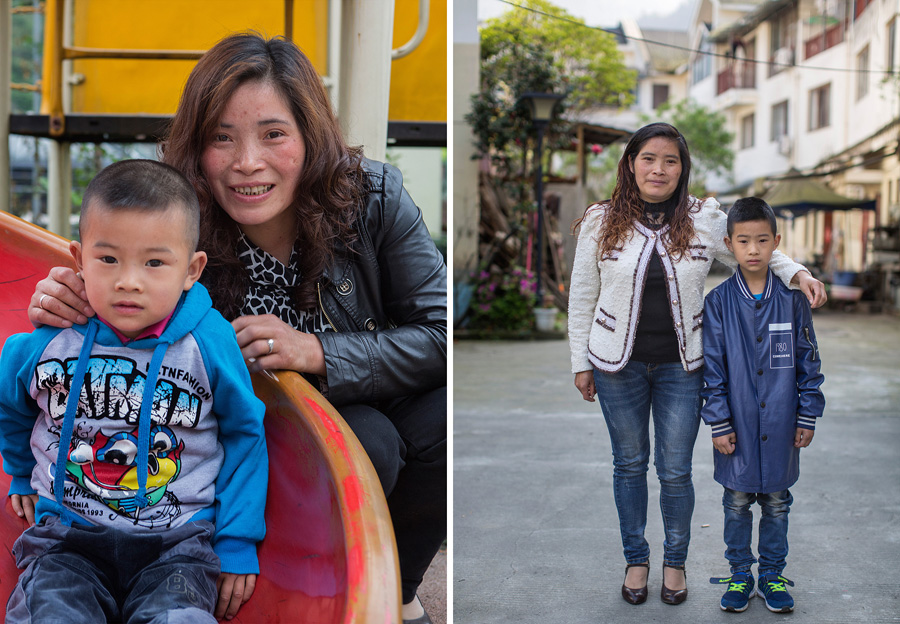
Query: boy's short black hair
[[751, 209], [146, 185]]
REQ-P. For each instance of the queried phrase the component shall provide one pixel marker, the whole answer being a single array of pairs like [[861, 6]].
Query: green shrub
[[503, 301]]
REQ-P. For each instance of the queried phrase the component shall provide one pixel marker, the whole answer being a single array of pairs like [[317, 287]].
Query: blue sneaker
[[740, 590], [772, 590]]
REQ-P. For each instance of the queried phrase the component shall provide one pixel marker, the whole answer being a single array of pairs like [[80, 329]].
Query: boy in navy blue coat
[[762, 400]]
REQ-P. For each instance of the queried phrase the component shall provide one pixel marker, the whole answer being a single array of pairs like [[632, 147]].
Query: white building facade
[[806, 85]]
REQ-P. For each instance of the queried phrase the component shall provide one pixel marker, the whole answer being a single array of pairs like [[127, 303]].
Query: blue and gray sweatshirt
[[166, 430]]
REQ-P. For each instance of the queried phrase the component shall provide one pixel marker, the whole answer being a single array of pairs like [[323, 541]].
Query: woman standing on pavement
[[323, 263], [635, 315]]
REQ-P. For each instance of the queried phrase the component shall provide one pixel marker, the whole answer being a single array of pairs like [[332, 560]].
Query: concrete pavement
[[536, 536]]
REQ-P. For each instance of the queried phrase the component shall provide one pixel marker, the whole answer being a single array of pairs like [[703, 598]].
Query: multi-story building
[[662, 75], [809, 85]]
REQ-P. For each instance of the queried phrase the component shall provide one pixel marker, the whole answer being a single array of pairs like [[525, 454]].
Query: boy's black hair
[[145, 185], [751, 209]]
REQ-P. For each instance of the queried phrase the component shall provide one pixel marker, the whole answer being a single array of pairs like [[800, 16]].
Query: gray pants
[[95, 574]]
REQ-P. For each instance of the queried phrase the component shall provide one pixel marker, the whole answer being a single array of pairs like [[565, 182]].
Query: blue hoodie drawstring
[[144, 423], [65, 435]]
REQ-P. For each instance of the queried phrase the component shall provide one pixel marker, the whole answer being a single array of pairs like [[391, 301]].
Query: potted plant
[[545, 316]]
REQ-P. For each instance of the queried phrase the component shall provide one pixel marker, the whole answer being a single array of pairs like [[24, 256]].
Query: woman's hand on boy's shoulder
[[59, 300], [812, 288]]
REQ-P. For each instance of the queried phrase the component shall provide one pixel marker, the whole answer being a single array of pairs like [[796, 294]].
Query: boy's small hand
[[234, 590], [24, 506], [802, 437], [725, 444]]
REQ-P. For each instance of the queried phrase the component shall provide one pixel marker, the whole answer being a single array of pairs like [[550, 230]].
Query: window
[[780, 32], [781, 41], [891, 44], [819, 107], [660, 95], [779, 126], [748, 127], [702, 66], [862, 73]]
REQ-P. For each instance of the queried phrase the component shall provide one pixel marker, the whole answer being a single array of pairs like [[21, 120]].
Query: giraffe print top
[[271, 283]]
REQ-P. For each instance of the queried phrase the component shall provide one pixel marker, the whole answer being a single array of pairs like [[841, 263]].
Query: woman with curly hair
[[323, 264], [635, 316]]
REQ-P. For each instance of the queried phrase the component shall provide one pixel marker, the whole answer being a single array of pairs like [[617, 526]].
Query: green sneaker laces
[[738, 587], [775, 585]]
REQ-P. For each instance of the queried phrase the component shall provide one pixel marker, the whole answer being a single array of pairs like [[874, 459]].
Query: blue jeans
[[90, 574], [773, 528], [627, 399]]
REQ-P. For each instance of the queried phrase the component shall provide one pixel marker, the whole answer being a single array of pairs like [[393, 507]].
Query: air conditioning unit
[[785, 145], [784, 56]]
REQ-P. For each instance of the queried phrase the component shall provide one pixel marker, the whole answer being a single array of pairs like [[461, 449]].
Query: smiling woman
[[253, 164]]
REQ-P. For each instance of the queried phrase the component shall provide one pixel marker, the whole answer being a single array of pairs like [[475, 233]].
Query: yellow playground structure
[[113, 71]]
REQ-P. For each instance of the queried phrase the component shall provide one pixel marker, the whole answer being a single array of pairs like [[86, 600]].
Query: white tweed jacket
[[605, 294]]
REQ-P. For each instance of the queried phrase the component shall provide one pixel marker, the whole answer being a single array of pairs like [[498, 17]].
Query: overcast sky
[[649, 13]]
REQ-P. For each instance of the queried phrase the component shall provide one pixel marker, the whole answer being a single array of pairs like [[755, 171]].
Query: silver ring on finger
[[271, 343], [41, 302]]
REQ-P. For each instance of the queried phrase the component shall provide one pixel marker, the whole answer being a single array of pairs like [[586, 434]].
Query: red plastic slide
[[329, 554]]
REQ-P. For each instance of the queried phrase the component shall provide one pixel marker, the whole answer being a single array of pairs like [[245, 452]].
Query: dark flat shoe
[[673, 597], [635, 596]]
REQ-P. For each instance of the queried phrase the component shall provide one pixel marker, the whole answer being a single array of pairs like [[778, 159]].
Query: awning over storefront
[[793, 197]]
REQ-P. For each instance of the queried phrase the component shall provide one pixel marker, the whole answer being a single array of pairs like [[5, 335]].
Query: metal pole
[[365, 75], [37, 29], [539, 192], [59, 157], [289, 20], [5, 100]]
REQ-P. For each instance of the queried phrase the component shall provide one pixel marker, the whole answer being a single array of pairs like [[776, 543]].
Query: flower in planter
[[503, 300]]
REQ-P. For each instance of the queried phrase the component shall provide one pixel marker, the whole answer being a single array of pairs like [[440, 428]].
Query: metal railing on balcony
[[740, 75], [832, 36]]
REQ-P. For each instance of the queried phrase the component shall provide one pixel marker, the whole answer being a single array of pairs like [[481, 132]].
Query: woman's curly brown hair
[[626, 206], [332, 182]]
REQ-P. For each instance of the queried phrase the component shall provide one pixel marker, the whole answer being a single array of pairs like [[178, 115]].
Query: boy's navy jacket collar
[[191, 308], [741, 284]]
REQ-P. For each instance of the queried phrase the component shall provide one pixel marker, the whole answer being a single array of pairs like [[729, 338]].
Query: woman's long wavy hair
[[626, 205], [332, 182]]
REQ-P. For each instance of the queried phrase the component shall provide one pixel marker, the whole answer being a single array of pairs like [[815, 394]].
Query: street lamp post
[[541, 106]]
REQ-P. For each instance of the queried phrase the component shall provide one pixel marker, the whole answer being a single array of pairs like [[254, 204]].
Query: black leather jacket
[[387, 303]]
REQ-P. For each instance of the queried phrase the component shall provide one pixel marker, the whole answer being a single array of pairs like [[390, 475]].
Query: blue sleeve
[[243, 479], [715, 411], [18, 410], [809, 364]]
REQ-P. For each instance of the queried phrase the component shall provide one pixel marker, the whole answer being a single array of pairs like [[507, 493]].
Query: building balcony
[[736, 86], [737, 76], [832, 36]]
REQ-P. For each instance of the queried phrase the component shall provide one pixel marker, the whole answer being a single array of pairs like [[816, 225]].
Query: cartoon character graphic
[[106, 466]]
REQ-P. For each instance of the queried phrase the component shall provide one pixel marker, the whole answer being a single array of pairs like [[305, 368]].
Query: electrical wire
[[617, 33]]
